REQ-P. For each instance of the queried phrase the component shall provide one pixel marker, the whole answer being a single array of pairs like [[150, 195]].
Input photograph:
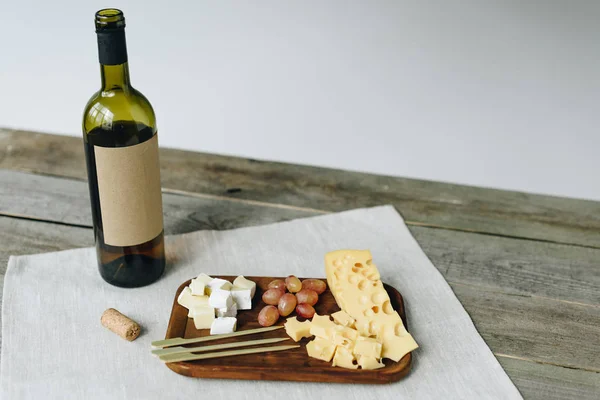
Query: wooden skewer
[[175, 350], [180, 341], [169, 358]]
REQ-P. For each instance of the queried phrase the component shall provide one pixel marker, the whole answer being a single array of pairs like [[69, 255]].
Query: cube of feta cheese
[[198, 301], [197, 287], [227, 311], [185, 298], [220, 298], [204, 278], [203, 317], [223, 325], [243, 283], [242, 297], [218, 283]]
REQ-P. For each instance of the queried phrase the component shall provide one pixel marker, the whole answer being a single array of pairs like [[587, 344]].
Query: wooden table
[[526, 267]]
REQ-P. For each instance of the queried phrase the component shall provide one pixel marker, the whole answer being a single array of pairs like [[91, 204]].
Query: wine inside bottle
[[121, 149]]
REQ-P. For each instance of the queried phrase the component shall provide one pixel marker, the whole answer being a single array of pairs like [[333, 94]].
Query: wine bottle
[[121, 149]]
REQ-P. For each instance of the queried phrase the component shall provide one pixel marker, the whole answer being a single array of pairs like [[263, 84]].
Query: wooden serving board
[[288, 365]]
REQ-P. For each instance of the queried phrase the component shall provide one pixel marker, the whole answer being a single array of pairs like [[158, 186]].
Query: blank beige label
[[130, 197]]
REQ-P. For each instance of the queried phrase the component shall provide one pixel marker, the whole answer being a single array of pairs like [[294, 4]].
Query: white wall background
[[499, 93]]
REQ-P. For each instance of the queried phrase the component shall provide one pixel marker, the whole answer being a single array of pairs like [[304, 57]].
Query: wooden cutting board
[[288, 365]]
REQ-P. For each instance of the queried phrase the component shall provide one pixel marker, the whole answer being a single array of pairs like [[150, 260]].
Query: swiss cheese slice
[[355, 283]]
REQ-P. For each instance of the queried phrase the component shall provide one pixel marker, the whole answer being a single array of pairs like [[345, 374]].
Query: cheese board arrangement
[[350, 328]]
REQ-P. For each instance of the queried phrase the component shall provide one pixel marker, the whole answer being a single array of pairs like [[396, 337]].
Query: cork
[[120, 324]]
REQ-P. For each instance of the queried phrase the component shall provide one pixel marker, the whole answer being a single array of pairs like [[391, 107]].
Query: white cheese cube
[[197, 287], [242, 297], [203, 317], [220, 298], [204, 278], [197, 302], [223, 325], [227, 311], [243, 283], [218, 283], [185, 297]]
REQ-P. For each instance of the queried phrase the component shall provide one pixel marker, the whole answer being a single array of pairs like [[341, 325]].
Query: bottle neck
[[112, 53], [115, 77]]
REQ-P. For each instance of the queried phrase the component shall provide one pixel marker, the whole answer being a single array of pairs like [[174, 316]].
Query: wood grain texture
[[515, 266], [425, 202], [549, 382], [28, 237], [289, 365], [67, 201], [507, 324]]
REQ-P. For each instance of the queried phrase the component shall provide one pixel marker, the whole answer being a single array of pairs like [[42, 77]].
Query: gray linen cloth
[[53, 346]]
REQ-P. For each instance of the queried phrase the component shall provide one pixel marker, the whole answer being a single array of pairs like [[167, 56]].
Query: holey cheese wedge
[[356, 285]]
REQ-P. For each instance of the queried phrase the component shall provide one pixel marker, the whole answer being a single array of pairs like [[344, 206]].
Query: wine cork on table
[[120, 324]]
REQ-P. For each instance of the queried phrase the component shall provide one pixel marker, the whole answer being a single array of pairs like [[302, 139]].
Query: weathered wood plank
[[512, 265], [533, 328], [67, 201], [433, 203], [549, 382], [533, 379], [521, 267]]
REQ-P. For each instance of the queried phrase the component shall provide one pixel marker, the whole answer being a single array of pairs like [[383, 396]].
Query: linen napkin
[[53, 346]]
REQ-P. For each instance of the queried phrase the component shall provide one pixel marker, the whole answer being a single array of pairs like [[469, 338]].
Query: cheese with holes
[[296, 329], [344, 336], [203, 317], [369, 347], [197, 287], [342, 318], [321, 326], [355, 283], [344, 358], [321, 348], [367, 362], [243, 283]]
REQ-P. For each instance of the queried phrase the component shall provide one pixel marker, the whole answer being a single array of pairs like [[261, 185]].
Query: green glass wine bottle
[[121, 149]]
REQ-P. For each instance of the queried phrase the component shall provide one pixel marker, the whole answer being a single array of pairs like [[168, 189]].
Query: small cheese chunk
[[367, 362], [396, 347], [219, 283], [198, 301], [242, 297], [203, 317], [204, 279], [321, 326], [243, 283], [368, 347], [227, 311], [344, 336], [296, 329], [220, 298], [197, 287], [343, 358], [223, 325], [342, 318], [185, 297], [320, 348]]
